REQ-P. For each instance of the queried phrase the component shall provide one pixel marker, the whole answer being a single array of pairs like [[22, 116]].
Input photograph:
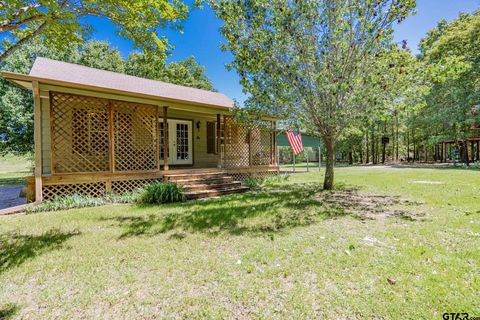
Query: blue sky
[[201, 38]]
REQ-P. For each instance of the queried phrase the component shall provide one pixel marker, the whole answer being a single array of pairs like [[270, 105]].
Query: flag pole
[[293, 161], [306, 153], [319, 158]]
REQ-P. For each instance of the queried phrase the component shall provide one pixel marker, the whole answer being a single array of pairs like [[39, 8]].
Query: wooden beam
[[157, 119], [219, 140], [111, 137], [224, 139], [37, 137], [165, 138]]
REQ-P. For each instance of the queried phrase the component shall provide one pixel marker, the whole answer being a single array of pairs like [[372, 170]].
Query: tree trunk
[[396, 134], [374, 160], [367, 159], [361, 153], [330, 146], [472, 151], [465, 148], [408, 145], [383, 152], [414, 148]]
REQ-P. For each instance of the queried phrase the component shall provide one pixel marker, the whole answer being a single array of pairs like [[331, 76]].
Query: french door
[[180, 149]]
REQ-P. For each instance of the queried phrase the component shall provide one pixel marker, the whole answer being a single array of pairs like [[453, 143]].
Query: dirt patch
[[367, 205], [428, 182]]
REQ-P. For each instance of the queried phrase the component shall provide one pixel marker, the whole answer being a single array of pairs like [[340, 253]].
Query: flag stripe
[[295, 141]]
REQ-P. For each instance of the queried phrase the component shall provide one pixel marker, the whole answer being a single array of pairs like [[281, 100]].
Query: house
[[98, 131]]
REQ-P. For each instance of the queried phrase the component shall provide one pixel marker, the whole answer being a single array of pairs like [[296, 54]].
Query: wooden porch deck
[[98, 184]]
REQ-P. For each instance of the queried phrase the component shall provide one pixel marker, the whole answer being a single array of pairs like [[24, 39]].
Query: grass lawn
[[392, 243], [14, 169]]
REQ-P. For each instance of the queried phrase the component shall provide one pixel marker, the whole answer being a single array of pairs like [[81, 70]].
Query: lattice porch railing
[[99, 135], [247, 147]]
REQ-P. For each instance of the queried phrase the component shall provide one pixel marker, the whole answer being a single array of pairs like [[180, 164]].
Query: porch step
[[214, 180], [214, 192], [206, 184], [211, 186], [203, 175]]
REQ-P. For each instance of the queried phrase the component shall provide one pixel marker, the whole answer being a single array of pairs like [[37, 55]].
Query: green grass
[[14, 169], [292, 252]]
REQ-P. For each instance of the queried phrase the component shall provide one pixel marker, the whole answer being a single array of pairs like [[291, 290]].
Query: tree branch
[[22, 41]]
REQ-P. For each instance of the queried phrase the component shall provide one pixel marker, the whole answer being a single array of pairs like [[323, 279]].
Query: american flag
[[295, 141]]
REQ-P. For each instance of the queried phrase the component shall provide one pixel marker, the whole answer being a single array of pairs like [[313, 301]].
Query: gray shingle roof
[[77, 74]]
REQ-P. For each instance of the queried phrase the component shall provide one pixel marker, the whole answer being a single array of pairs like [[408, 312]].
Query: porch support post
[[157, 119], [165, 138], [111, 137], [219, 140], [37, 137]]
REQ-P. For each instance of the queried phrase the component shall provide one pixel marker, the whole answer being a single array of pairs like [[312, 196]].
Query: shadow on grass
[[16, 249], [8, 311], [254, 212]]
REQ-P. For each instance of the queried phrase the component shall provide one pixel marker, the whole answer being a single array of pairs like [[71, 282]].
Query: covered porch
[[95, 138]]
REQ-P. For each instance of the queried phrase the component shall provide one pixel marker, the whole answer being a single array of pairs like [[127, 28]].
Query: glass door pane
[[183, 148]]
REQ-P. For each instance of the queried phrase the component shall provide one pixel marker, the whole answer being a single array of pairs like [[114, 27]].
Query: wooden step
[[214, 180], [214, 192], [211, 186], [184, 176]]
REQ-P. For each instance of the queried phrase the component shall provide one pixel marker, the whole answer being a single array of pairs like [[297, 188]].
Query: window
[[211, 137]]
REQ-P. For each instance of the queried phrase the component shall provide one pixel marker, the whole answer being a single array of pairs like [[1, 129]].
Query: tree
[[99, 54], [16, 117], [309, 58], [60, 23], [186, 72], [451, 49]]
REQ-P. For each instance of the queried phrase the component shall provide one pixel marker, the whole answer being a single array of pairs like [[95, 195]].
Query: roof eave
[[25, 81]]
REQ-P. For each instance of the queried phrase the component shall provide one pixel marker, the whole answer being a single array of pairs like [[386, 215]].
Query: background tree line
[[440, 100], [16, 104]]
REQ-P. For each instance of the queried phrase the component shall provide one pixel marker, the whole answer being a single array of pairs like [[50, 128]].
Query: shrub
[[274, 179], [79, 201], [269, 181], [252, 183], [162, 192], [67, 202]]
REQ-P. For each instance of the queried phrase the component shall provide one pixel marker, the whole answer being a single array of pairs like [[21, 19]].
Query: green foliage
[[79, 201], [452, 51], [68, 202], [162, 192], [186, 72], [100, 55], [267, 182], [252, 183], [309, 58], [61, 23]]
